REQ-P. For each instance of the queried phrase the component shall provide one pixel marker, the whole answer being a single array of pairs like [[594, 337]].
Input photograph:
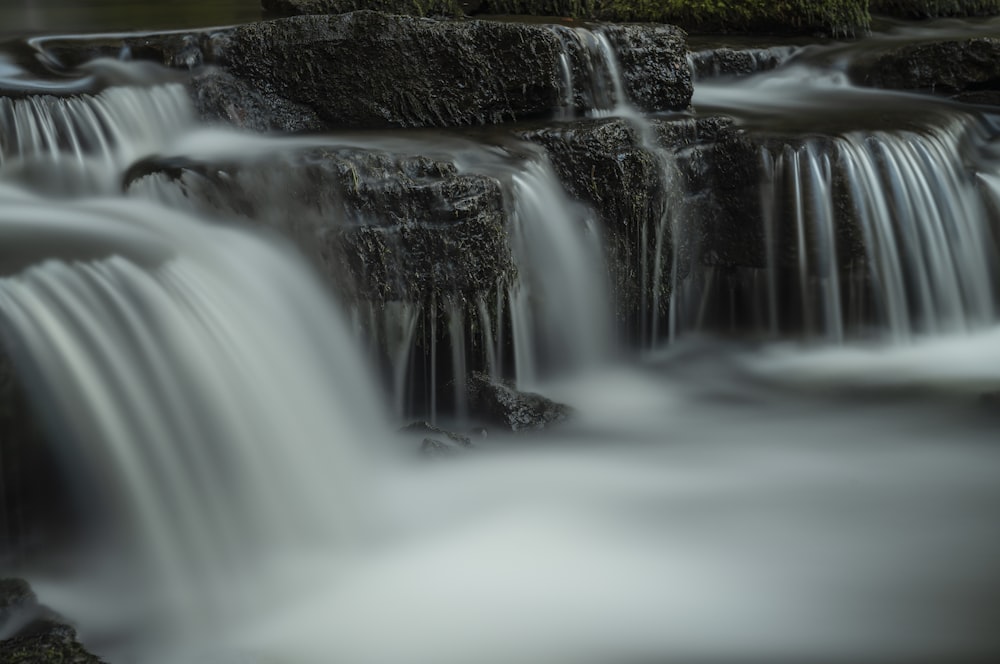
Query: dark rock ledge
[[368, 69], [951, 67], [33, 634]]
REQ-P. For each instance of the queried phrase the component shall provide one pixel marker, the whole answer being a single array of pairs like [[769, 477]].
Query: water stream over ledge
[[782, 448]]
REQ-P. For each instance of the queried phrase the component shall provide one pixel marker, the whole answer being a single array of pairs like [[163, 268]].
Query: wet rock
[[368, 69], [16, 597], [756, 16], [179, 50], [428, 428], [740, 62], [498, 403], [436, 448], [720, 175], [600, 163], [654, 66], [947, 67], [382, 226], [33, 634], [921, 9], [979, 97], [706, 178], [219, 96], [424, 8]]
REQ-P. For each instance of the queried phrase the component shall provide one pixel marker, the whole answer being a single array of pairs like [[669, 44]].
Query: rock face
[[759, 16], [421, 8], [653, 59], [918, 9], [33, 634], [705, 177], [219, 96], [948, 67], [383, 226], [499, 404], [741, 62], [368, 69]]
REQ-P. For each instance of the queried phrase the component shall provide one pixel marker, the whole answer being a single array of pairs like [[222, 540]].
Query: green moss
[[933, 8], [576, 8], [785, 16]]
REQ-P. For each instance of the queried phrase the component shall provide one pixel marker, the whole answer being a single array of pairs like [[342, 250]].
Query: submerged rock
[[33, 634], [946, 67], [499, 403], [428, 428]]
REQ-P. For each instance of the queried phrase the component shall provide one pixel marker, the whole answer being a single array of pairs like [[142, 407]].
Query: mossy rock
[[404, 7], [576, 8], [919, 9], [777, 16]]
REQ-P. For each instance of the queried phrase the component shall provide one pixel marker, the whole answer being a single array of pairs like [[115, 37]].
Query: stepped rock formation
[[948, 67]]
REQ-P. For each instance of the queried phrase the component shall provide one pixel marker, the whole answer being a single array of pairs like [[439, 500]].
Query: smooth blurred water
[[709, 501]]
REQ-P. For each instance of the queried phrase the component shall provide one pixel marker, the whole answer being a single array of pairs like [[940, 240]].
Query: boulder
[[411, 7], [921, 9], [32, 634], [179, 50], [706, 174], [499, 403], [435, 448], [738, 62], [368, 69], [756, 16], [428, 429], [655, 72], [218, 96], [382, 226], [948, 66]]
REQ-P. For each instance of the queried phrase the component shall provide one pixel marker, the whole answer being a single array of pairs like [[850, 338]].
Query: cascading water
[[883, 232], [705, 503], [602, 88], [558, 306], [75, 145], [204, 438]]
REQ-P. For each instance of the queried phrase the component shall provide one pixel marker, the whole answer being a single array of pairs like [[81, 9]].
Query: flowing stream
[[824, 488]]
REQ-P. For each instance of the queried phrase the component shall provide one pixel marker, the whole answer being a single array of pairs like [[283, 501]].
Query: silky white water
[[249, 501]]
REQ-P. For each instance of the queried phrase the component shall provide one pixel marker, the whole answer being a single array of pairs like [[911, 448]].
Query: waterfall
[[201, 386], [74, 145], [913, 204], [603, 88]]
